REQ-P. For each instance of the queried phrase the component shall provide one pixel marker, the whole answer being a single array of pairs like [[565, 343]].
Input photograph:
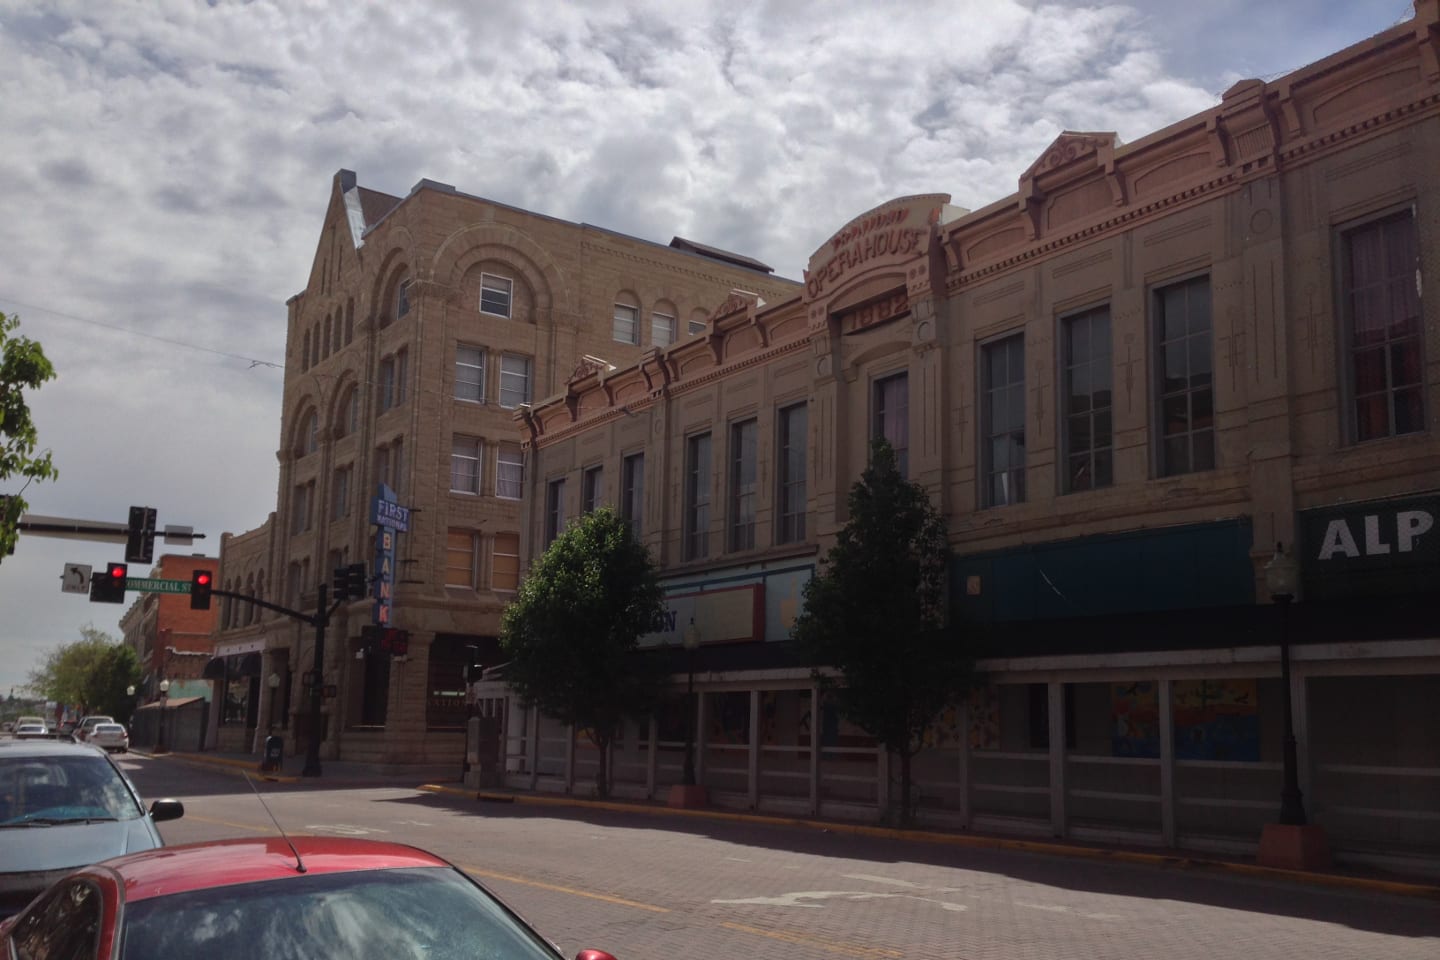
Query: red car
[[299, 899]]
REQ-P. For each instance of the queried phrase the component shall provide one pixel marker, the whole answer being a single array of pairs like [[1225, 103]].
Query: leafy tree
[[91, 673], [572, 633], [875, 612], [22, 365]]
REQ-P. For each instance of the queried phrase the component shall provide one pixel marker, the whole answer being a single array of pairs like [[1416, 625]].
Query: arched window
[[347, 412], [308, 439], [402, 299], [349, 322], [325, 338], [305, 355]]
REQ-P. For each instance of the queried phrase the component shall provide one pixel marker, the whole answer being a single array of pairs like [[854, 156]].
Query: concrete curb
[[224, 763], [1046, 847]]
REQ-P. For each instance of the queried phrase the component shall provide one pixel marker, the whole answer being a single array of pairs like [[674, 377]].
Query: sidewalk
[[337, 773]]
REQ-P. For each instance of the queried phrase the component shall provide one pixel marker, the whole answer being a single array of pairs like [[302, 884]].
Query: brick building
[[427, 322], [171, 641], [1124, 385]]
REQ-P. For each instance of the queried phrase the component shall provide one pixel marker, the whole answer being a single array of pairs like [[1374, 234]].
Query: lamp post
[[690, 639], [1281, 577], [160, 736]]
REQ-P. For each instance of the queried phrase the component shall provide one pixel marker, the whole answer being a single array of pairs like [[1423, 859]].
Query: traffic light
[[140, 538], [357, 582], [109, 587], [201, 583]]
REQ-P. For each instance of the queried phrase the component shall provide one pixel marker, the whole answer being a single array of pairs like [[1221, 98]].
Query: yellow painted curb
[[229, 763], [1051, 848]]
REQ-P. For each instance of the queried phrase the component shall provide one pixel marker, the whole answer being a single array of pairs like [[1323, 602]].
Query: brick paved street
[[644, 886]]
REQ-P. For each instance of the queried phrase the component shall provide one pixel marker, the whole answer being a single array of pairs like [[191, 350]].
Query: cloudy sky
[[165, 166]]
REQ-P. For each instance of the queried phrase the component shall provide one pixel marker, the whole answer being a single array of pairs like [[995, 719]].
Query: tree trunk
[[602, 780], [906, 810]]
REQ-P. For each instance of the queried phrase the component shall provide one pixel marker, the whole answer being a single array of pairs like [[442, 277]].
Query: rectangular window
[[470, 373], [662, 330], [340, 494], [460, 558], [445, 691], [697, 497], [1002, 422], [1085, 399], [743, 472], [554, 510], [495, 295], [1384, 354], [696, 326], [632, 494], [892, 417], [389, 388], [790, 474], [514, 380], [303, 508], [592, 489], [387, 464], [509, 471], [627, 324], [1184, 386], [505, 569], [465, 464]]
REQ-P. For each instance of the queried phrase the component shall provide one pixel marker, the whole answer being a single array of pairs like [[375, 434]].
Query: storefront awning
[[214, 670]]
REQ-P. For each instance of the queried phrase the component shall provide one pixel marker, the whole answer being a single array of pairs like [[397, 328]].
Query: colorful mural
[[1135, 718], [1216, 720]]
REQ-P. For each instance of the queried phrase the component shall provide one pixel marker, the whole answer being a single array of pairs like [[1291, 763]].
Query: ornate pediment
[[587, 365], [1070, 147], [736, 302]]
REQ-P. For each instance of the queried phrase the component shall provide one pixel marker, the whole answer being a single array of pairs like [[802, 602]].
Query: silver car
[[110, 737], [65, 805]]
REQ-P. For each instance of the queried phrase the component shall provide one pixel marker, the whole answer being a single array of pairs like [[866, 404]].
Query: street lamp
[[1282, 575], [130, 695], [690, 639], [164, 695]]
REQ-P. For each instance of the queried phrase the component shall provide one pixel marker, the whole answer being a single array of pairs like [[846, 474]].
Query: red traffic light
[[202, 579], [117, 571]]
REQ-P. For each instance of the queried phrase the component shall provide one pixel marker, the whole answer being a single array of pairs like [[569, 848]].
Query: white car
[[31, 731], [109, 736]]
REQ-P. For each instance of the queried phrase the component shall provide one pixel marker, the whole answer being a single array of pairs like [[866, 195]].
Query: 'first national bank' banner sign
[[1375, 547]]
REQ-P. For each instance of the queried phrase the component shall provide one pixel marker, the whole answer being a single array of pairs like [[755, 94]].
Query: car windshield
[[434, 913], [61, 789]]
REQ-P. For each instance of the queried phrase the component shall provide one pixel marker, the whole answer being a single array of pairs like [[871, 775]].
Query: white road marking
[[1058, 908], [739, 859], [343, 829], [799, 898]]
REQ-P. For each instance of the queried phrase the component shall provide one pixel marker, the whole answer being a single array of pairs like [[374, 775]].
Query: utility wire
[[254, 362]]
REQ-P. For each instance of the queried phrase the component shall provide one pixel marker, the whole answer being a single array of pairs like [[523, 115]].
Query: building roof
[[715, 253], [374, 204]]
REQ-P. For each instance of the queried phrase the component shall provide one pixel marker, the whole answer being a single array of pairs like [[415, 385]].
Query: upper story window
[[632, 491], [1184, 385], [340, 492], [305, 356], [696, 325], [470, 373], [302, 507], [697, 497], [1085, 399], [309, 438], [393, 372], [465, 453], [402, 298], [495, 295], [505, 562], [626, 328], [460, 558], [1002, 422], [514, 380], [388, 463], [890, 403], [509, 471], [325, 337], [349, 321], [1384, 351], [790, 473], [662, 329], [592, 489], [743, 471], [347, 413], [554, 509]]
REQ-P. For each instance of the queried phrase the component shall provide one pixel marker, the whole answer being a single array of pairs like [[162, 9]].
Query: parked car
[[110, 737], [303, 897], [65, 805], [29, 719], [87, 725], [32, 731]]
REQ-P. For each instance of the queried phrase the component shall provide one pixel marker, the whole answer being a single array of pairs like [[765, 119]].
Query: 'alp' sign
[[1387, 546]]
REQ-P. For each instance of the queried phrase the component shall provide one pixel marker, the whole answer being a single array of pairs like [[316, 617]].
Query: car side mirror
[[162, 810], [593, 955]]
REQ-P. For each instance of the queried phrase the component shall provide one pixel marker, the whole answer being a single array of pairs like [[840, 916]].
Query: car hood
[[66, 846]]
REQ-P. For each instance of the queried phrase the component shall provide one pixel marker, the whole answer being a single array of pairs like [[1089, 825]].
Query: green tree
[[875, 612], [22, 366], [91, 673], [572, 634]]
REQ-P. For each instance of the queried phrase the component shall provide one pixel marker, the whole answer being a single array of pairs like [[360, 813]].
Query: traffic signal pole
[[320, 619]]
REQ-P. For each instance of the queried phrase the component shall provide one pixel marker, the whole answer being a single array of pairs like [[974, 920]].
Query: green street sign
[[157, 586]]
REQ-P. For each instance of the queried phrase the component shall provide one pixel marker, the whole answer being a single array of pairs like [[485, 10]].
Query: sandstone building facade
[[427, 322], [1124, 385]]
